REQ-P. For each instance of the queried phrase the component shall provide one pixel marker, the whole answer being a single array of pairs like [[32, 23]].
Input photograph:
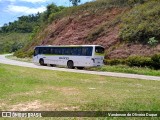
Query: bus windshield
[[99, 50], [36, 51]]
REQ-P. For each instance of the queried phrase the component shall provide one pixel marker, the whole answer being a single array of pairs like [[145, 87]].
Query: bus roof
[[69, 46]]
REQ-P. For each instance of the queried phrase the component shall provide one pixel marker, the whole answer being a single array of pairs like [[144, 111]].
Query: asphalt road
[[113, 74]]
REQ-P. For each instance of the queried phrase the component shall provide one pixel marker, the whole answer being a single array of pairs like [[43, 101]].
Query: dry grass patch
[[38, 105], [68, 91], [35, 105]]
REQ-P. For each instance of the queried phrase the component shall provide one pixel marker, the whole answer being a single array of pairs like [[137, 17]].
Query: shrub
[[20, 54], [114, 61], [30, 53], [152, 41], [156, 61], [138, 61], [95, 34], [141, 23]]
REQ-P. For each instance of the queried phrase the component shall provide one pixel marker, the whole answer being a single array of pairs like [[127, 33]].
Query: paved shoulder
[[113, 74]]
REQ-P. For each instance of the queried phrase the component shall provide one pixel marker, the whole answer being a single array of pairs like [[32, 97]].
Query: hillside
[[11, 42], [15, 35], [124, 28]]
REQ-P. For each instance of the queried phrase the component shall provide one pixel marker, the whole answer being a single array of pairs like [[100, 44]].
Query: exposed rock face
[[75, 30]]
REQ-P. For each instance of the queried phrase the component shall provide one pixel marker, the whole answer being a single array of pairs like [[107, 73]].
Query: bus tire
[[41, 62], [70, 64], [52, 65], [80, 68]]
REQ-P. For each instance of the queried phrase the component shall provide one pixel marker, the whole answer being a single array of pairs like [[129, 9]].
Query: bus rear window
[[99, 50]]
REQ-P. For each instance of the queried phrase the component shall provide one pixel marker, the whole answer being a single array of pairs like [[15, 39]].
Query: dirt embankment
[[89, 28]]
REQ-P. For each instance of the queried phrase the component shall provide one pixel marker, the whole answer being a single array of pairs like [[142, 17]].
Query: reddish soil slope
[[75, 30]]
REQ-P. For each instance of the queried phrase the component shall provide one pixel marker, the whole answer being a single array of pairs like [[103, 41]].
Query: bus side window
[[84, 51], [89, 51], [79, 51], [63, 51], [41, 49], [59, 51], [49, 50], [72, 51], [67, 51], [44, 51], [52, 51]]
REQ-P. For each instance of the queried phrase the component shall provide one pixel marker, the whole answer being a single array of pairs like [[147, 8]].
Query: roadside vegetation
[[142, 23], [11, 42], [127, 69], [152, 62], [33, 89]]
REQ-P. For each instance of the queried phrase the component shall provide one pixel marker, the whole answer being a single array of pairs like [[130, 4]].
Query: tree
[[75, 2], [49, 13], [26, 24]]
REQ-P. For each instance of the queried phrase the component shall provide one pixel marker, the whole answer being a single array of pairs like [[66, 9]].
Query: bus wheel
[[52, 65], [80, 68], [70, 64], [41, 61]]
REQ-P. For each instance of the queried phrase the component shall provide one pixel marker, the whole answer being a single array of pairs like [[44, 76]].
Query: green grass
[[34, 89], [127, 69]]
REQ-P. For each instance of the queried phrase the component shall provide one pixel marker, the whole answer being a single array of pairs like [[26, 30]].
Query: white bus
[[72, 56]]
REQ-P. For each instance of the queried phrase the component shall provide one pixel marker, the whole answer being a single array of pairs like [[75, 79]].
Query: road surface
[[4, 60]]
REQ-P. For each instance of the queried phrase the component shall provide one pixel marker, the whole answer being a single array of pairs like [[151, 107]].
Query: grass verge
[[127, 69], [34, 89]]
